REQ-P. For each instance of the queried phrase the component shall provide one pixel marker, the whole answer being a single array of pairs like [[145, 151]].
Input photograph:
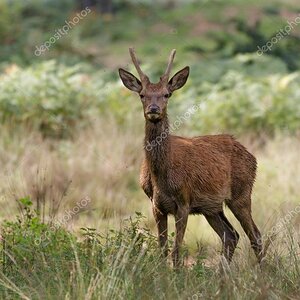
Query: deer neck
[[157, 145]]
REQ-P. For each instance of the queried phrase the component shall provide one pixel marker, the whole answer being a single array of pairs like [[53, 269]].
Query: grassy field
[[74, 222], [63, 173]]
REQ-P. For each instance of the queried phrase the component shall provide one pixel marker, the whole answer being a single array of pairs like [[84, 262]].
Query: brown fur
[[197, 175]]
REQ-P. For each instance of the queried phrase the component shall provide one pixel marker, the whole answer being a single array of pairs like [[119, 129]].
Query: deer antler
[[166, 76], [143, 77]]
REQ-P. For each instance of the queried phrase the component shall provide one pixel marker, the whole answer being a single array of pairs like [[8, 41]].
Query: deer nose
[[153, 109]]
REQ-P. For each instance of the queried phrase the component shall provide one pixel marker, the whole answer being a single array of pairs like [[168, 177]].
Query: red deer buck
[[183, 176]]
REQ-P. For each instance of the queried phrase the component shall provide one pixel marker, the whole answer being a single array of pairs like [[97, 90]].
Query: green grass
[[126, 264]]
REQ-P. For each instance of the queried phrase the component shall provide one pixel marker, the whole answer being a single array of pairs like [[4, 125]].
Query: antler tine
[[169, 66], [137, 65]]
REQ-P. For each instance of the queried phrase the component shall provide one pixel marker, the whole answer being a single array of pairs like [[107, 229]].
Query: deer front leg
[[161, 220], [181, 217]]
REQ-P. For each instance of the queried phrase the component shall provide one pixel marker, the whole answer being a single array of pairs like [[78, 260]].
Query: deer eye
[[167, 95], [142, 96]]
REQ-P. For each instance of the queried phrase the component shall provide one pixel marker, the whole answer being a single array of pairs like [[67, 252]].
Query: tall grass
[[102, 163], [126, 264]]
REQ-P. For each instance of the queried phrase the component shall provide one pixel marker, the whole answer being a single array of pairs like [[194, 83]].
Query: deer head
[[154, 96]]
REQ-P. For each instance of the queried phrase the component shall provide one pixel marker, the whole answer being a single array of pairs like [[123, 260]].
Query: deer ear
[[130, 81], [179, 79]]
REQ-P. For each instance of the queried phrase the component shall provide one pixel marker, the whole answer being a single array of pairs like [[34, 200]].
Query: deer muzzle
[[153, 112]]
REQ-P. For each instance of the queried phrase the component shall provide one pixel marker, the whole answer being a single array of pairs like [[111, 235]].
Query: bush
[[49, 97], [235, 96], [241, 104]]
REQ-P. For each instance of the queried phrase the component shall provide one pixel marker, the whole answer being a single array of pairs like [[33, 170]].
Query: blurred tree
[[105, 6]]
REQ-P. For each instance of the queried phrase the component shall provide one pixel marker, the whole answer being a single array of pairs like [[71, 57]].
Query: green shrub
[[49, 97], [235, 95], [242, 104]]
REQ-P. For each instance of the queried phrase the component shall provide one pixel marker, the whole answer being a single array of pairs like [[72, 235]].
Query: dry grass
[[102, 163]]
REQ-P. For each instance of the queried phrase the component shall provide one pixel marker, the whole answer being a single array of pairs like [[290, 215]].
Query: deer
[[198, 175]]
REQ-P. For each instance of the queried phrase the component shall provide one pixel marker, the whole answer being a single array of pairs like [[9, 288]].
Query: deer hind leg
[[243, 214], [226, 232]]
